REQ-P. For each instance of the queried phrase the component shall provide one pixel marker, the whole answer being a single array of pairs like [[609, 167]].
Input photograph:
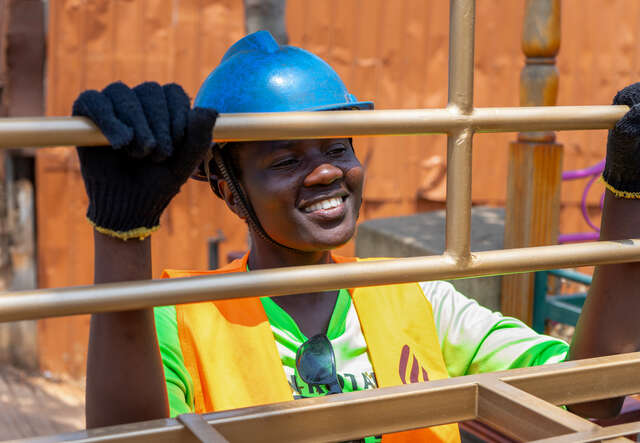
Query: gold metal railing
[[520, 403], [42, 303], [72, 131]]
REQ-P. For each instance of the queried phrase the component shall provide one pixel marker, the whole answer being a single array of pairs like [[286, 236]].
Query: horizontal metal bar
[[523, 416], [200, 429], [599, 434], [331, 418], [546, 118], [55, 302], [579, 380], [74, 131], [386, 409]]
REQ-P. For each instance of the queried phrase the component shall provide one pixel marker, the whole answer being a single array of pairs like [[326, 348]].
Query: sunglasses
[[316, 363]]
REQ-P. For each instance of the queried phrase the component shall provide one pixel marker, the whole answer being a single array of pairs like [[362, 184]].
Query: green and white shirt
[[472, 340], [352, 361]]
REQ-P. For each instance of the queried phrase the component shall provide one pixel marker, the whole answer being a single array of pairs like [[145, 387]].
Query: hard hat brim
[[343, 107]]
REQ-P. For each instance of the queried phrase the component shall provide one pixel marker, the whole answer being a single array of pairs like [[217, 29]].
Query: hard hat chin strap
[[240, 197]]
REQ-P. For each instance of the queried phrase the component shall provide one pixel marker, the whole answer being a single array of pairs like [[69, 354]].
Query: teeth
[[325, 204]]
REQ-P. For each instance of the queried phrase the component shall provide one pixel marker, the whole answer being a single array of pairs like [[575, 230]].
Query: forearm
[[125, 378], [608, 323]]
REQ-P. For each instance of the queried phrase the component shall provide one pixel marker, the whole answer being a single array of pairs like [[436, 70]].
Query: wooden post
[[5, 258], [22, 51], [535, 159]]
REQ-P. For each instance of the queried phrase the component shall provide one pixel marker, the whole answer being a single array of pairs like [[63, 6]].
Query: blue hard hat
[[259, 75]]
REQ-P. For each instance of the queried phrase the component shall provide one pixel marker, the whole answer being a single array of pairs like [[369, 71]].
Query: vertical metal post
[[535, 159], [461, 58], [541, 287]]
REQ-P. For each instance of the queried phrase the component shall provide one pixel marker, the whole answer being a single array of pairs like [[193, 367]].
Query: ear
[[229, 199]]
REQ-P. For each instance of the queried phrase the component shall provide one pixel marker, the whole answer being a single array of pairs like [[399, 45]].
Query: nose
[[323, 174]]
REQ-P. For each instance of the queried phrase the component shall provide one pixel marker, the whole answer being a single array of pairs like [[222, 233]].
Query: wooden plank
[[531, 214], [4, 16], [99, 44], [22, 54], [535, 160], [126, 24], [25, 52], [60, 195], [156, 26]]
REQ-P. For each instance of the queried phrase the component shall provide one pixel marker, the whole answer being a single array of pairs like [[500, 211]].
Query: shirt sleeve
[[474, 340], [178, 379]]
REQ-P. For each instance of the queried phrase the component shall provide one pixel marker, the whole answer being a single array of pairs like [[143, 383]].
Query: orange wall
[[392, 52]]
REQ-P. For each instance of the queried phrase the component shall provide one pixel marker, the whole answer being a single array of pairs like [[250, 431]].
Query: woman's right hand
[[156, 143]]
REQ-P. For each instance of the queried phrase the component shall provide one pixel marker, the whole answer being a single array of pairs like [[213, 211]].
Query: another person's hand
[[622, 170], [156, 143]]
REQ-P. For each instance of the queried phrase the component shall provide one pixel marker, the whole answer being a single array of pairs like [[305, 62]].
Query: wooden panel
[[124, 25], [157, 44], [90, 45], [63, 236], [592, 69], [62, 342]]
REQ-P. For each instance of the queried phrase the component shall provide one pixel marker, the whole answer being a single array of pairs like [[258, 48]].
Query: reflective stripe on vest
[[231, 355]]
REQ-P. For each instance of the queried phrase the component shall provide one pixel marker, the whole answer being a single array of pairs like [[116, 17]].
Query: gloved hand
[[622, 169], [156, 142]]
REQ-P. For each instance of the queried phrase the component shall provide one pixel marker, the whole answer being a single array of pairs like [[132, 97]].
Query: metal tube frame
[[521, 403], [19, 132]]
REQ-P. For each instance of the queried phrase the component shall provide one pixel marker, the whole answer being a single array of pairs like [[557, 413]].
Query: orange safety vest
[[229, 349]]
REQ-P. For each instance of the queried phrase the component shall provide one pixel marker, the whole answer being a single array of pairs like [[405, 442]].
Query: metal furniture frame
[[561, 308], [520, 403]]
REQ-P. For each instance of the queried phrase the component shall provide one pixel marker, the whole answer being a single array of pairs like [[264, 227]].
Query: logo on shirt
[[348, 383], [415, 371]]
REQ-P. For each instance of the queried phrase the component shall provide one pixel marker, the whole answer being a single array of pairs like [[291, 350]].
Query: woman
[[300, 199]]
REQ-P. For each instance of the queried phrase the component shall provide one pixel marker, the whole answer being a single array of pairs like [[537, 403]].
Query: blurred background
[[394, 53]]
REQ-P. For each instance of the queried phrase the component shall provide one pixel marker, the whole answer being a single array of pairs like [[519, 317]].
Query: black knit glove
[[622, 170], [156, 143]]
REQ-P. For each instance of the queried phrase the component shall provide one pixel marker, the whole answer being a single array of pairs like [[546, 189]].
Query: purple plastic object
[[581, 173], [594, 172], [583, 203], [578, 237]]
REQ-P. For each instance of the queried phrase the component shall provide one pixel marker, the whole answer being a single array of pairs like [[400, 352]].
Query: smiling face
[[305, 193]]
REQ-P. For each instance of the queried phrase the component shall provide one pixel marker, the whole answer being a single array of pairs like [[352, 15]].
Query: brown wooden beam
[[25, 57], [22, 58], [535, 160], [4, 21]]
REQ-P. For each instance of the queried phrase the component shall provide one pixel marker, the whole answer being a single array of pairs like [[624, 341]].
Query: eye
[[337, 149], [286, 162]]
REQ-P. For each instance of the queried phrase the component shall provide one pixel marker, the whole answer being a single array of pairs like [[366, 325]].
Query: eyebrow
[[282, 144]]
